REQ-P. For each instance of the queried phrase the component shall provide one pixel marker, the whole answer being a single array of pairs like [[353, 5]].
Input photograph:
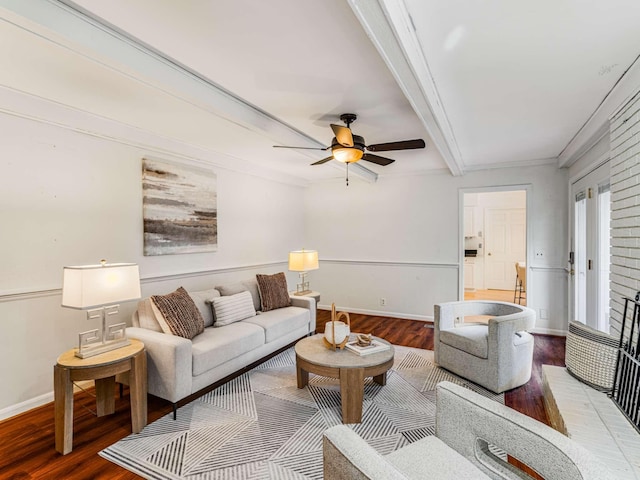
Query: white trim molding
[[384, 263], [15, 295]]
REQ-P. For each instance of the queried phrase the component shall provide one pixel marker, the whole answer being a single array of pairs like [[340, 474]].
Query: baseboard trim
[[39, 401], [549, 331], [17, 409], [380, 313]]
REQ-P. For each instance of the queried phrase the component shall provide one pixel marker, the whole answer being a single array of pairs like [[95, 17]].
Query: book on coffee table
[[375, 347]]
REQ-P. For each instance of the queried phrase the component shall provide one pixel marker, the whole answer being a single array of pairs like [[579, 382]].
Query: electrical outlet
[[383, 302], [543, 314], [539, 254]]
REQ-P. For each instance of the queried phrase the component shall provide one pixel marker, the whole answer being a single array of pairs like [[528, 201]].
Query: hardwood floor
[[499, 295], [27, 440]]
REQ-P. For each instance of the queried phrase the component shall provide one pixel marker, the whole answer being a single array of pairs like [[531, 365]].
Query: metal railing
[[626, 385]]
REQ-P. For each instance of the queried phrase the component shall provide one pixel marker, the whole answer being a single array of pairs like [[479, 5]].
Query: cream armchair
[[466, 424], [497, 355]]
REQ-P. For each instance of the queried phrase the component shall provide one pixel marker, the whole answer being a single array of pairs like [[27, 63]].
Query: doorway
[[590, 247], [494, 244]]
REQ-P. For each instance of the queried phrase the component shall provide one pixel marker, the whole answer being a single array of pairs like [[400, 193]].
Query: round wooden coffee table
[[351, 369]]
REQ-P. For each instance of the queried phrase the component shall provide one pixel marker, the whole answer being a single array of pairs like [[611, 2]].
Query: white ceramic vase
[[341, 332]]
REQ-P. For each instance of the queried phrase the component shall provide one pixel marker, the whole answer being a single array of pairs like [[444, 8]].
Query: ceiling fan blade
[[324, 160], [343, 135], [302, 148], [403, 145], [369, 157]]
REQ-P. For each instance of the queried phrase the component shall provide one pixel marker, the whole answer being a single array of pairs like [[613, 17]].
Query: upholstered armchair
[[497, 355], [466, 425]]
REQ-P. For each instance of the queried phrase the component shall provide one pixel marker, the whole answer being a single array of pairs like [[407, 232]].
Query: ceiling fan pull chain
[[347, 174]]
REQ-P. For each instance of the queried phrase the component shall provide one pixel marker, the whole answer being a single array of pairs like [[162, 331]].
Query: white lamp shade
[[303, 260], [91, 286]]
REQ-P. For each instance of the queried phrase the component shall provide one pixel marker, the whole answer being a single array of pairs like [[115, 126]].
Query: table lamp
[[303, 261], [98, 289]]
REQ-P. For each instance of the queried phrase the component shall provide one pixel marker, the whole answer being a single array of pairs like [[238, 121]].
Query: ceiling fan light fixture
[[347, 154]]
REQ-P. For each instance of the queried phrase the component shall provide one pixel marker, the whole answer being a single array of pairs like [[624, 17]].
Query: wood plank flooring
[[27, 440], [499, 295]]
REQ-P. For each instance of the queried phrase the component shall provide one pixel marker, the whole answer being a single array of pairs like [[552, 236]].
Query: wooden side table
[[103, 369]]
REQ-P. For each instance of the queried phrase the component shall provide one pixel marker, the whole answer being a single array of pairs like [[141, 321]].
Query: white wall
[[67, 198], [398, 239]]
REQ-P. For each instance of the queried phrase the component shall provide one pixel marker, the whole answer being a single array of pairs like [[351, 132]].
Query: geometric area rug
[[261, 426]]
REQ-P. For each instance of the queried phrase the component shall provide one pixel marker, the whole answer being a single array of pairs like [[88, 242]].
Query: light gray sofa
[[178, 367], [466, 424], [497, 355]]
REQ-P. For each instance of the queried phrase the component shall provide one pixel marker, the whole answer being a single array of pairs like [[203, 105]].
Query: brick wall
[[625, 208]]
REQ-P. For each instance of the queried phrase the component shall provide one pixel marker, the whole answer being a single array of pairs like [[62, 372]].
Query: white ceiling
[[485, 83]]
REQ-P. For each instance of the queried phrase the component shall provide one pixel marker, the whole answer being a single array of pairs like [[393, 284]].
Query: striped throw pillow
[[232, 308], [180, 316]]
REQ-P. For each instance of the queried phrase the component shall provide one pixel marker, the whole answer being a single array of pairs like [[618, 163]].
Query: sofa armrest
[[308, 303], [469, 423], [169, 363], [348, 457]]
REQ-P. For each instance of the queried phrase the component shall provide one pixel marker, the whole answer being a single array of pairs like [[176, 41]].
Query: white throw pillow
[[232, 308]]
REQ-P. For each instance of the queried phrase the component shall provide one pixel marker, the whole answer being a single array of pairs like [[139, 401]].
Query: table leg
[[138, 391], [63, 406], [105, 396], [381, 379], [352, 394], [303, 376]]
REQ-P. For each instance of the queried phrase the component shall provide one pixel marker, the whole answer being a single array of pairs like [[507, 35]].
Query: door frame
[[584, 172], [528, 188]]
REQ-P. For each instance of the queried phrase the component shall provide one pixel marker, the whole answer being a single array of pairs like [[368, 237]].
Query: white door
[[505, 244], [590, 246]]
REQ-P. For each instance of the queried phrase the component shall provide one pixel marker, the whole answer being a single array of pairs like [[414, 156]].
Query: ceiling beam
[[389, 26], [69, 26]]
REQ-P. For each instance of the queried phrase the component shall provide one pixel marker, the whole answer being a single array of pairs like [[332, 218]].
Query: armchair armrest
[[469, 423], [308, 303], [445, 315], [169, 363], [348, 457]]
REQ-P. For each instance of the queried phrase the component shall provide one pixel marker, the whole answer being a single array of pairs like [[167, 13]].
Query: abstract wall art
[[179, 208]]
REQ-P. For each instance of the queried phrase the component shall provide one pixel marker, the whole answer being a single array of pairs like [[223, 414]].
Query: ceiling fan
[[349, 148]]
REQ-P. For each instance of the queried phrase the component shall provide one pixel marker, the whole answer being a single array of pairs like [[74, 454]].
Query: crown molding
[[69, 26], [597, 126], [519, 164]]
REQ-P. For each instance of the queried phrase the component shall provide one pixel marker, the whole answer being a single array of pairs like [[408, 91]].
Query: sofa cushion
[[216, 346], [273, 291], [412, 461], [280, 322], [231, 289], [232, 308], [472, 339], [252, 286], [202, 299], [145, 316], [180, 316]]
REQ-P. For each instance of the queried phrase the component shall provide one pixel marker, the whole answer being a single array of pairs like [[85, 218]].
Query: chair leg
[[175, 411], [515, 290]]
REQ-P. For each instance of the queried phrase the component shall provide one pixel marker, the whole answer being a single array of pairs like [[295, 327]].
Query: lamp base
[[303, 292], [98, 348], [95, 342]]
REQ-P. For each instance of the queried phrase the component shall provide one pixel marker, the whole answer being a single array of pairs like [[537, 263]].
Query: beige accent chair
[[497, 355], [466, 425]]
